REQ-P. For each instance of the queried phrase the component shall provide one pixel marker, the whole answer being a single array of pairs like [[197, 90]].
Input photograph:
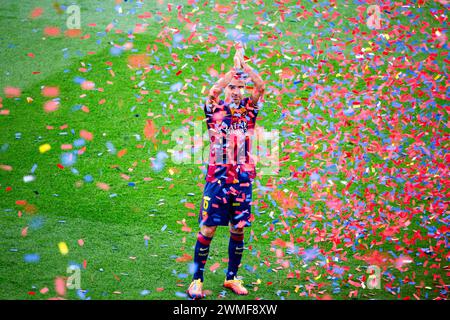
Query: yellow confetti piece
[[318, 277], [171, 172], [63, 248], [435, 78], [44, 148], [29, 99]]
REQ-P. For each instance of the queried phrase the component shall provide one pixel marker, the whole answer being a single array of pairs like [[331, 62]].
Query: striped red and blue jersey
[[230, 130]]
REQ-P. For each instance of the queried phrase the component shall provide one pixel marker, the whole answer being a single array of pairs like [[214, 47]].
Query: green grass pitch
[[364, 149]]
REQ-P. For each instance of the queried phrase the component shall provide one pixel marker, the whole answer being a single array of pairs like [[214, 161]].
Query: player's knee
[[236, 230], [237, 234], [208, 231]]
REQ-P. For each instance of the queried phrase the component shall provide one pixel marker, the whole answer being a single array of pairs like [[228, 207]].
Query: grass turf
[[62, 206]]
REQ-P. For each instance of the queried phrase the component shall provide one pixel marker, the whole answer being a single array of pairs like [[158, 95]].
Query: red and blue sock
[[235, 250], [201, 255]]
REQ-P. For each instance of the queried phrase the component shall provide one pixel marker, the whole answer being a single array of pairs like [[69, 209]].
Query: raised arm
[[258, 91], [259, 88], [219, 86]]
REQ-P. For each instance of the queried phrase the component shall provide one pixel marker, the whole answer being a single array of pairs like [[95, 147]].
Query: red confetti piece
[[103, 186], [189, 205], [186, 229], [72, 33], [222, 8], [6, 167], [214, 267], [12, 92], [138, 60], [109, 27], [66, 147], [52, 31], [86, 135], [87, 85], [36, 13], [149, 130], [60, 286], [51, 106], [184, 258], [121, 153], [50, 91]]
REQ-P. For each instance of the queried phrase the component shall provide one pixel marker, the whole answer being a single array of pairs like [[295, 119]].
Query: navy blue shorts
[[223, 204]]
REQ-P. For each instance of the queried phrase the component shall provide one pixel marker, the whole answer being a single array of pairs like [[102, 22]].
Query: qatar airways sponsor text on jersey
[[230, 129]]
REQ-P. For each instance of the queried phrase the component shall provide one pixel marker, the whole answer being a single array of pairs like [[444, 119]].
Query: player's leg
[[240, 217], [235, 251], [212, 214], [201, 252]]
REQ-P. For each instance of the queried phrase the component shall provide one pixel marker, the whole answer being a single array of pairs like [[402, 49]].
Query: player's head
[[234, 92]]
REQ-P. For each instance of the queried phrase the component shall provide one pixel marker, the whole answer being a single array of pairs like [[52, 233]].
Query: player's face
[[234, 92]]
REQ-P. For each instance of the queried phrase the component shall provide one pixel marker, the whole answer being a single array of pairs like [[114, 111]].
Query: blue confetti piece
[[145, 292], [68, 159], [349, 112], [33, 169], [192, 267], [176, 87], [82, 294], [36, 223], [181, 294], [79, 143], [115, 51], [31, 258], [111, 148], [79, 80]]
